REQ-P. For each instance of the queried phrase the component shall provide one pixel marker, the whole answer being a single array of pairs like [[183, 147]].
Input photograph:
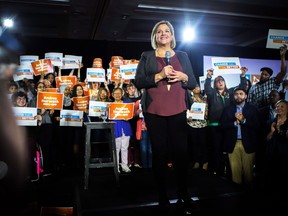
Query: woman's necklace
[[162, 54], [198, 98]]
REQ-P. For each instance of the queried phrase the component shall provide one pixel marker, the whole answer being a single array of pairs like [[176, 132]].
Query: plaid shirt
[[259, 93]]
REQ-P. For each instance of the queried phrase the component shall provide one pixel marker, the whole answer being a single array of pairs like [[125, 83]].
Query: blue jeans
[[145, 150]]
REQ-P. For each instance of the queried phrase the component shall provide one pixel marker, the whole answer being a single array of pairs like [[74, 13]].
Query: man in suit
[[240, 123]]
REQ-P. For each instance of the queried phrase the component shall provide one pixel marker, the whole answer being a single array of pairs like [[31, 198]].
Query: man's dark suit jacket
[[249, 129]]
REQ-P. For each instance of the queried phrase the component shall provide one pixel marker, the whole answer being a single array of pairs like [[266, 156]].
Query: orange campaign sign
[[51, 89], [50, 100], [81, 103], [42, 65], [127, 81], [254, 78], [65, 81], [115, 74], [121, 111]]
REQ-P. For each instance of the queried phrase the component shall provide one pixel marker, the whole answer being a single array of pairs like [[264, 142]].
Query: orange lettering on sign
[[50, 100], [121, 111]]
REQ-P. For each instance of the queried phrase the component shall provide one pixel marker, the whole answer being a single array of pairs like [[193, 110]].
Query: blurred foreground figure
[[13, 157]]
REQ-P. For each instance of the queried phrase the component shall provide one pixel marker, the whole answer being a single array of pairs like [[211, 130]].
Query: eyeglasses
[[41, 87], [21, 99], [219, 80]]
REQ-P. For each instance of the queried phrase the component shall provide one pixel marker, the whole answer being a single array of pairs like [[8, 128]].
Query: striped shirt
[[259, 93]]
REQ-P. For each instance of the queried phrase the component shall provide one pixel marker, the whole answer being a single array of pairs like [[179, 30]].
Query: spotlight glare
[[189, 34], [8, 23]]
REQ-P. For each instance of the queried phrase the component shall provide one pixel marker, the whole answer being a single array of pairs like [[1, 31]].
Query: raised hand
[[283, 50], [210, 72]]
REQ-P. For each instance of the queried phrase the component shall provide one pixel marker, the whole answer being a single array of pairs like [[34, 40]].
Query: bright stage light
[[8, 23], [188, 34]]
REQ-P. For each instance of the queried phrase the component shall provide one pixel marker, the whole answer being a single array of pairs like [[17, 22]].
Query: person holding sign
[[258, 93], [45, 132], [80, 102], [64, 140], [27, 86], [103, 95], [218, 97], [123, 132], [51, 78], [134, 148], [198, 131], [165, 75], [20, 99], [93, 89]]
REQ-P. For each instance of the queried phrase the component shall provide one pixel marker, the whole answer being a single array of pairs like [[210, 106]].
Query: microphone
[[167, 57]]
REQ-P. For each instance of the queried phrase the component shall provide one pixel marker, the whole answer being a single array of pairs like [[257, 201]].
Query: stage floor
[[135, 195]]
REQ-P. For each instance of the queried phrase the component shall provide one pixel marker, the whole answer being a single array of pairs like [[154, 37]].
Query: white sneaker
[[125, 169], [137, 165]]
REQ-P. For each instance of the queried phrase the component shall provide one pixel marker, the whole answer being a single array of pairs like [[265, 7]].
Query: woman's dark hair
[[18, 94], [37, 84], [249, 85], [13, 83], [226, 91], [74, 90], [54, 81]]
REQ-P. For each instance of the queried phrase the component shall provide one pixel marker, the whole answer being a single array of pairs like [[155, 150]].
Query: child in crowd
[[197, 133]]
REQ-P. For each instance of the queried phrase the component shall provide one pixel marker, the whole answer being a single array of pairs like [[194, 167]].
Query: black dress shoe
[[185, 206], [184, 198]]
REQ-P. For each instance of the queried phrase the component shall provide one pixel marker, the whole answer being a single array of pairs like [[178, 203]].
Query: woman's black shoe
[[185, 206]]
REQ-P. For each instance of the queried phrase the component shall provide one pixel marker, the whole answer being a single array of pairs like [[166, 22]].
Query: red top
[[167, 102]]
